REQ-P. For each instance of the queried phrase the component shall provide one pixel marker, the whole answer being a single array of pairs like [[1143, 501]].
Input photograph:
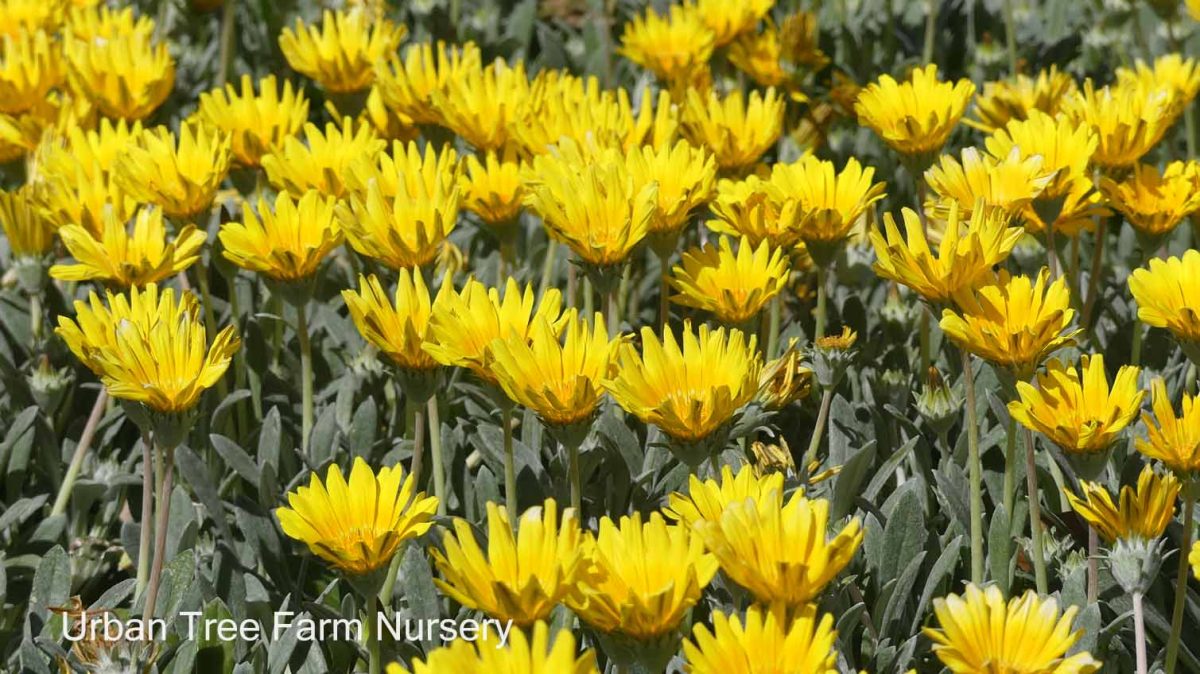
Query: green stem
[[1181, 576], [435, 447], [1010, 32], [819, 331], [814, 444], [1135, 349], [664, 296], [388, 591], [416, 434], [931, 17], [81, 450], [35, 316], [775, 316], [239, 356], [1093, 577], [923, 343], [614, 313], [145, 539], [374, 664], [1035, 515], [1139, 633], [975, 471], [1094, 277], [548, 267], [510, 467], [1010, 468], [306, 376], [576, 485], [225, 58], [589, 297], [166, 470]]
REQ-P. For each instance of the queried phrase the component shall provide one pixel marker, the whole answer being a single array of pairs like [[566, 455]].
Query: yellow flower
[[979, 632], [357, 526], [1077, 410], [1128, 120], [28, 231], [706, 500], [95, 151], [521, 655], [519, 577], [801, 41], [101, 22], [1174, 440], [30, 66], [1010, 183], [387, 123], [148, 348], [180, 174], [780, 552], [1014, 322], [1154, 203], [396, 329], [914, 117], [676, 48], [1015, 100], [757, 210], [1194, 558], [691, 390], [1143, 513], [464, 325], [785, 380], [480, 103], [323, 159], [558, 379], [407, 86], [686, 178], [760, 55], [727, 20], [965, 256], [768, 641], [493, 189], [127, 76], [1168, 296], [286, 243], [732, 287], [831, 201], [77, 198], [122, 258], [1180, 75], [341, 53], [738, 130], [646, 576], [258, 123]]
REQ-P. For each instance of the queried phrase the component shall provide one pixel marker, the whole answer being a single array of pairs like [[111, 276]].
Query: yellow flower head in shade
[[646, 576], [322, 159], [1174, 440], [127, 76], [557, 378], [523, 654], [1141, 513], [676, 48], [1077, 410], [1168, 296], [1128, 120], [966, 255], [738, 129], [686, 178], [357, 526], [760, 55], [757, 210], [123, 258], [30, 15], [706, 500], [768, 641], [733, 287], [1015, 322], [340, 54], [287, 242], [101, 22], [980, 632], [386, 122], [181, 174], [30, 66], [258, 123], [785, 380], [493, 189], [778, 551], [688, 390], [397, 328], [1010, 183], [465, 324], [1006, 101], [28, 231], [1181, 76], [1154, 203], [914, 117], [481, 103], [727, 20], [831, 201], [407, 86], [149, 348], [519, 577]]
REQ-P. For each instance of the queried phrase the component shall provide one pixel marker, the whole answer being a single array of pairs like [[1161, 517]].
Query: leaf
[[270, 438], [21, 510], [236, 458], [227, 405], [903, 535], [942, 568], [901, 594], [363, 428], [419, 590], [1000, 548], [846, 484], [198, 478], [888, 469], [324, 432]]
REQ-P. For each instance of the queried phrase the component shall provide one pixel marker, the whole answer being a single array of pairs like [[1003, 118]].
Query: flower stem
[[931, 17], [416, 434], [975, 472], [664, 297], [1035, 515], [1135, 349], [144, 540], [548, 267], [226, 48], [614, 313], [1181, 577], [510, 467], [923, 345], [819, 331], [306, 376], [373, 661], [576, 486], [81, 450], [1094, 277], [35, 316], [1093, 578], [1010, 33], [1139, 632], [774, 311], [435, 446], [1010, 468], [814, 444], [166, 469]]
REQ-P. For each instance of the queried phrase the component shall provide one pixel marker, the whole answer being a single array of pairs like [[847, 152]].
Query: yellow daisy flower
[[1174, 440], [831, 202], [521, 655], [1154, 203], [30, 234], [727, 20], [675, 47], [914, 117], [756, 210], [340, 54], [258, 123], [785, 380], [123, 258], [321, 161], [101, 22], [768, 641], [1128, 120], [760, 55], [407, 86], [95, 151], [287, 242], [127, 76], [1194, 557], [76, 198], [706, 500], [1180, 75], [1141, 513], [493, 189], [1168, 296], [479, 104], [397, 329], [1014, 100], [738, 129], [179, 174], [686, 177], [30, 66], [732, 287], [801, 41], [1010, 183]]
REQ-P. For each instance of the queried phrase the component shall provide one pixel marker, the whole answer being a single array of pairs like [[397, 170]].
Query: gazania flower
[[521, 655], [320, 162], [1141, 513], [979, 632], [756, 210], [396, 329], [760, 55], [286, 243], [258, 123], [729, 20], [738, 130], [341, 53], [1154, 203], [493, 188], [785, 380], [780, 552], [17, 16], [914, 117], [1015, 322], [180, 175], [768, 641], [688, 390], [706, 500], [1077, 410], [127, 76], [479, 105], [732, 287], [357, 526], [1010, 183], [1174, 440], [77, 198], [406, 172], [647, 575], [1168, 296], [831, 201], [407, 86], [29, 68], [676, 48], [965, 256], [122, 258], [149, 348], [1128, 120], [465, 324], [686, 178], [28, 232], [101, 22], [387, 123], [519, 577], [93, 151], [1194, 557], [557, 378], [1180, 75], [1018, 99]]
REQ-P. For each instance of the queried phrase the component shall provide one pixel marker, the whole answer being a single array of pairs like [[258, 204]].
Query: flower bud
[[832, 355], [1135, 563], [937, 403]]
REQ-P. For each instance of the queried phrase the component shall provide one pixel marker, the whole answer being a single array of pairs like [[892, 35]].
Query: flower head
[[676, 48], [30, 66], [1194, 557], [322, 159], [341, 53], [493, 188], [914, 117], [686, 177], [980, 632], [706, 500], [480, 103], [521, 655], [1010, 183], [1168, 296], [768, 641], [1128, 120], [357, 525], [734, 287], [179, 174], [287, 242], [94, 152], [727, 20], [257, 123], [1172, 439], [785, 380], [407, 86], [739, 130], [30, 15], [101, 22], [123, 258], [127, 76], [1018, 99], [28, 231], [1154, 203], [397, 328], [1180, 75], [831, 202], [1142, 513], [757, 210]]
